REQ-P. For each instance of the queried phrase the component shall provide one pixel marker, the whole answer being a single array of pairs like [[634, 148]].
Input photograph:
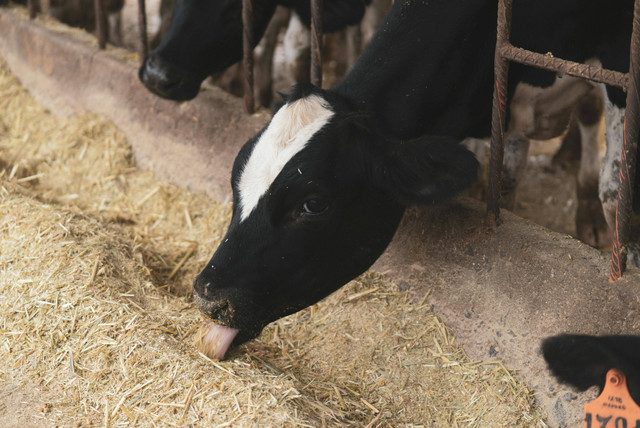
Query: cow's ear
[[580, 361], [426, 170], [337, 15], [583, 361]]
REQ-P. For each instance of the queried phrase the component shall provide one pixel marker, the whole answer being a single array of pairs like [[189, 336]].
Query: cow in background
[[205, 38], [543, 114], [320, 191], [535, 112]]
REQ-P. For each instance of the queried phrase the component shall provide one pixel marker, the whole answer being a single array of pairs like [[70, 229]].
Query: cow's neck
[[421, 73]]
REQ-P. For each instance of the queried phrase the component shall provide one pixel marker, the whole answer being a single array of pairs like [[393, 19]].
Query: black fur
[[337, 15], [427, 170], [429, 70], [583, 361]]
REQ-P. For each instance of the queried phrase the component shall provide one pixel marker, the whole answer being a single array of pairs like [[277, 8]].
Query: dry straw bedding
[[96, 321]]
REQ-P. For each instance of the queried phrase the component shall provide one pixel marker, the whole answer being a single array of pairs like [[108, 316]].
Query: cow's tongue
[[215, 340]]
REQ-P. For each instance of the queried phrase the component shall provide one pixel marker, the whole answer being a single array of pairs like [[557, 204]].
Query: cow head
[[205, 37], [318, 195]]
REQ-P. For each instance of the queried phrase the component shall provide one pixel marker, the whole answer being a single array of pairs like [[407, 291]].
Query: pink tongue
[[215, 340]]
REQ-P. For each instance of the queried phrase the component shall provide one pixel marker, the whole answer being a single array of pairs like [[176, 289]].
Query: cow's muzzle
[[168, 81]]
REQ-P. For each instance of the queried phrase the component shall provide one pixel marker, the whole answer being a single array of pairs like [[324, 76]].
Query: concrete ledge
[[501, 292], [191, 143]]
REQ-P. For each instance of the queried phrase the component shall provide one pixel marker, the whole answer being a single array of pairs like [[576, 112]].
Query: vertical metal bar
[[316, 42], [32, 7], [247, 42], [101, 23], [629, 152], [142, 29], [498, 117]]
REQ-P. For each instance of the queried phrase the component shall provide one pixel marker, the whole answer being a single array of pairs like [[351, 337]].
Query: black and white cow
[[583, 361], [320, 191], [205, 37], [543, 113], [539, 113]]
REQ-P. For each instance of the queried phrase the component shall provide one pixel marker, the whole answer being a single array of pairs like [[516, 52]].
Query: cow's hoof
[[591, 226]]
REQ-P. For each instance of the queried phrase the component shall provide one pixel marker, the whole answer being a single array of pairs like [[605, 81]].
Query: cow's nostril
[[219, 310], [154, 73], [167, 80], [203, 287]]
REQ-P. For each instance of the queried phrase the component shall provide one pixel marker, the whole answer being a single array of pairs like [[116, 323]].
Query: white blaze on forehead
[[288, 132]]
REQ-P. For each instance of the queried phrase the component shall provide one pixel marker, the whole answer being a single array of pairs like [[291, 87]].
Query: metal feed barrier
[[628, 82], [505, 52]]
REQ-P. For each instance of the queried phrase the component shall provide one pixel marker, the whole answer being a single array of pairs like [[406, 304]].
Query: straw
[[96, 320]]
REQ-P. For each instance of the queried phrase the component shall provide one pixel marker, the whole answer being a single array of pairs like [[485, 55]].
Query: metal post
[[247, 41], [101, 23], [32, 7], [499, 113], [629, 152], [316, 42], [142, 29]]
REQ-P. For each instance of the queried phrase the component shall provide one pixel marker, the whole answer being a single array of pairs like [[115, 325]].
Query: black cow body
[[205, 37], [583, 361], [319, 193]]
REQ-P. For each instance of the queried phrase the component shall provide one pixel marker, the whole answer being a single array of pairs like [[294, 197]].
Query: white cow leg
[[609, 179], [591, 225], [610, 170], [297, 57]]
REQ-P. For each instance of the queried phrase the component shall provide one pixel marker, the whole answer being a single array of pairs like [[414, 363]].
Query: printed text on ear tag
[[614, 407]]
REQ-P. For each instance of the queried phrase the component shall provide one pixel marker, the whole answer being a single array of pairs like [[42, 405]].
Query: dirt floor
[[547, 194]]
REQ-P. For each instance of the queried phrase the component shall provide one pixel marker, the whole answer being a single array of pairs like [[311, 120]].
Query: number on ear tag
[[614, 407]]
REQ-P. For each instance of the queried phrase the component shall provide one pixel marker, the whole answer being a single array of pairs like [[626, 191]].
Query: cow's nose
[[203, 287], [167, 80], [156, 75]]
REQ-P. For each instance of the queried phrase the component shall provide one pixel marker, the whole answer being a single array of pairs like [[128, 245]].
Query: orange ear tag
[[614, 407]]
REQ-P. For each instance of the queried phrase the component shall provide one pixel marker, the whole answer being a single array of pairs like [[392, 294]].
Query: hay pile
[[97, 326]]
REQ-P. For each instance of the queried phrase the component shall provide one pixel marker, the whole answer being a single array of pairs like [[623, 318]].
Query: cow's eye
[[315, 206]]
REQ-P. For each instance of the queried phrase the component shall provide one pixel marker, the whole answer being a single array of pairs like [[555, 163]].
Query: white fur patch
[[287, 134], [295, 44], [610, 169]]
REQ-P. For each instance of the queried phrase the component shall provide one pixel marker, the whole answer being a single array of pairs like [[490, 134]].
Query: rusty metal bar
[[316, 42], [247, 60], [499, 113], [142, 29], [32, 7], [547, 62], [101, 23], [629, 155]]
